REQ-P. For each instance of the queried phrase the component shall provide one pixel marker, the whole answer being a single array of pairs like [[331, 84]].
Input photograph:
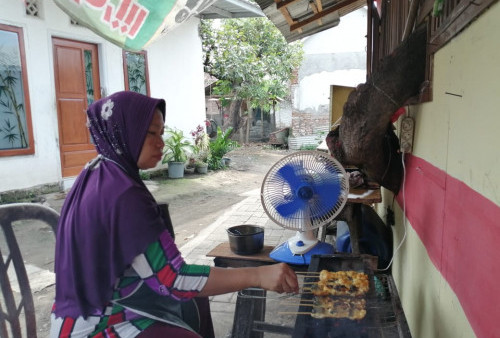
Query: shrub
[[219, 147], [177, 146]]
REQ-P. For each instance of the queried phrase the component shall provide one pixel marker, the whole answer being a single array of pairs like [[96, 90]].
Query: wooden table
[[365, 196], [224, 257]]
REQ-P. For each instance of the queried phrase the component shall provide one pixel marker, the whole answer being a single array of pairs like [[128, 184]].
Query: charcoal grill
[[384, 314], [384, 318]]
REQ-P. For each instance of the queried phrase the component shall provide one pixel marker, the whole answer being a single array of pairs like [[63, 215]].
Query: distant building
[[334, 57]]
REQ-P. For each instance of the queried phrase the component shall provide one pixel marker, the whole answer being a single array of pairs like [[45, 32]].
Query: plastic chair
[[15, 309]]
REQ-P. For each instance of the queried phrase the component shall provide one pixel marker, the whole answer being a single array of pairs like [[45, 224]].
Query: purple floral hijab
[[109, 216]]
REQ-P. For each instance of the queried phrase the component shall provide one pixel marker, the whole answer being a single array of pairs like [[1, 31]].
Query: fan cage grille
[[312, 166]]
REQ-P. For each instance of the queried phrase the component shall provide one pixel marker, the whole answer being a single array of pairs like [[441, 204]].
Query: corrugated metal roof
[[228, 9], [300, 18]]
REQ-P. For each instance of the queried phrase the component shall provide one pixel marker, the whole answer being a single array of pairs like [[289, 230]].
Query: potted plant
[[201, 167], [176, 151], [201, 149], [220, 147]]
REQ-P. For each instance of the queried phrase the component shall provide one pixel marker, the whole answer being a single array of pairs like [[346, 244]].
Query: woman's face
[[152, 149]]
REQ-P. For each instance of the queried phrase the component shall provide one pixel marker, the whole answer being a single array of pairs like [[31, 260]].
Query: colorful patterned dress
[[161, 269]]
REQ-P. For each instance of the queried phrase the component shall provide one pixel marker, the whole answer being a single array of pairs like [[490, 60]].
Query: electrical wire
[[405, 225]]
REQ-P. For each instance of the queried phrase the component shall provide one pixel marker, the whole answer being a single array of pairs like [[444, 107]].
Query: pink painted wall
[[460, 230]]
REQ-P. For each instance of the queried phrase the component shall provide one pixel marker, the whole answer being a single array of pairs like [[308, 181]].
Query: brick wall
[[306, 123]]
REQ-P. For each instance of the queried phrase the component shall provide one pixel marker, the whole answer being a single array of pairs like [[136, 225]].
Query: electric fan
[[304, 191]]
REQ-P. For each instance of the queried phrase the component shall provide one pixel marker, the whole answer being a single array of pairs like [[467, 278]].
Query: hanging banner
[[132, 24]]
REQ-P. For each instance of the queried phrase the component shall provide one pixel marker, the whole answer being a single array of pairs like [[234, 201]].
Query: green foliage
[[177, 146], [308, 147], [201, 144], [251, 59], [145, 175], [219, 147], [200, 164]]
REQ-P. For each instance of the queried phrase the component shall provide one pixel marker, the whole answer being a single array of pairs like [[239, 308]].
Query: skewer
[[328, 283], [294, 313], [301, 304], [312, 273], [301, 300]]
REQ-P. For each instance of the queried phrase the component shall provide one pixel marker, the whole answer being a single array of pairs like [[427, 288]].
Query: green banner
[[132, 24]]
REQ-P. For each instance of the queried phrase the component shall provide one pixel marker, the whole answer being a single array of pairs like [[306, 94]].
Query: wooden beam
[[321, 14], [319, 5], [287, 16], [410, 20], [317, 9]]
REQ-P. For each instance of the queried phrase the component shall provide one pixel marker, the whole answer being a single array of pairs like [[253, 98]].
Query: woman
[[118, 270]]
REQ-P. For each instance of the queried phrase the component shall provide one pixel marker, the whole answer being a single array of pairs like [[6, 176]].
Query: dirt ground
[[194, 203]]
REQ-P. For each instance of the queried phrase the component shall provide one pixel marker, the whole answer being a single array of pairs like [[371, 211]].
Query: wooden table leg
[[354, 228], [249, 308], [351, 214]]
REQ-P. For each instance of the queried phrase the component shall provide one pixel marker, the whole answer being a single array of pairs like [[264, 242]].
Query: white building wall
[[341, 51], [336, 56], [176, 74], [175, 69]]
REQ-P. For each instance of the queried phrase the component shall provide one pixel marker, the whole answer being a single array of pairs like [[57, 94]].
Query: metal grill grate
[[384, 314]]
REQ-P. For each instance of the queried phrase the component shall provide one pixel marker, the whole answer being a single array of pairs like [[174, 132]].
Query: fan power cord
[[405, 225]]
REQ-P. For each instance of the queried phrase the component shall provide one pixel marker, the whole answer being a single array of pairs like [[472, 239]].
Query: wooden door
[[77, 85], [338, 97]]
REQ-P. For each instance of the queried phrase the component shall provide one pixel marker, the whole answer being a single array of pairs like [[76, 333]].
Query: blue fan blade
[[328, 195], [287, 172], [290, 208]]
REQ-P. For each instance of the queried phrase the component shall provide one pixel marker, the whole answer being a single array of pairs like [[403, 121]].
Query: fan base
[[282, 253]]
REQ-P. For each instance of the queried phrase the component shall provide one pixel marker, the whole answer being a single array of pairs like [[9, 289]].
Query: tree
[[252, 62]]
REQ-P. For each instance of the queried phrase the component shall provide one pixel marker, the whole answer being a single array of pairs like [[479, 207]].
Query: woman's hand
[[278, 277]]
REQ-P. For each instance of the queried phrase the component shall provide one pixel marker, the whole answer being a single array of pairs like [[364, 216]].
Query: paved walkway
[[248, 211]]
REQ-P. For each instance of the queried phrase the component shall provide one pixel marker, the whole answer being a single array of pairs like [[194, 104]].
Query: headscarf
[[109, 216]]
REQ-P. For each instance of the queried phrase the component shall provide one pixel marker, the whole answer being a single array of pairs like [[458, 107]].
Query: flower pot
[[175, 169], [225, 161], [189, 170], [202, 169]]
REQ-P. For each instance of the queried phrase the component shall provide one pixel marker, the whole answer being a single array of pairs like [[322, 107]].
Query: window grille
[[15, 113], [32, 7], [135, 69]]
